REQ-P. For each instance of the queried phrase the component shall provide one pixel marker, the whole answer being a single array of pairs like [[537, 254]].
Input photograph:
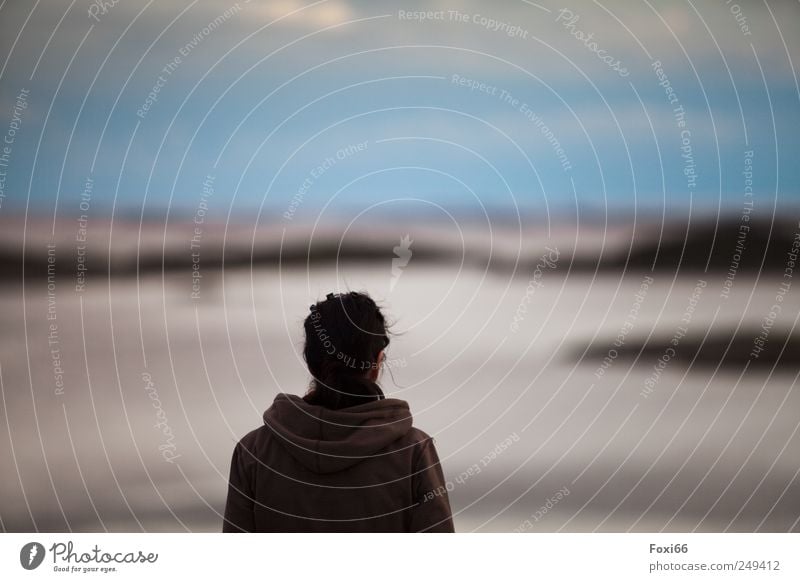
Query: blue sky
[[272, 90]]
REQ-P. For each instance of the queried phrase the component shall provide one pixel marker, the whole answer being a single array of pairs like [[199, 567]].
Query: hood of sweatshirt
[[327, 441]]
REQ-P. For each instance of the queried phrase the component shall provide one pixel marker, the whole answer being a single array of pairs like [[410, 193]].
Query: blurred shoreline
[[127, 249]]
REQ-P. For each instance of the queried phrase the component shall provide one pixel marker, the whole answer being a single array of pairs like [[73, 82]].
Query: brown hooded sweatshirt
[[358, 469]]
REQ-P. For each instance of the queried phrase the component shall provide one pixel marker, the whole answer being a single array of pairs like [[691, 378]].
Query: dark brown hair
[[344, 335]]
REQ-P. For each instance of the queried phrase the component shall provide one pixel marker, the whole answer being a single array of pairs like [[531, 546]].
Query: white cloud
[[308, 15]]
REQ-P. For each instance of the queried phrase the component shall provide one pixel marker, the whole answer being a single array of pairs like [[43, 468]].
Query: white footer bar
[[352, 557]]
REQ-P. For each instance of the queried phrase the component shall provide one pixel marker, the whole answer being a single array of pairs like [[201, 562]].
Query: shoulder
[[250, 444], [423, 447], [418, 436]]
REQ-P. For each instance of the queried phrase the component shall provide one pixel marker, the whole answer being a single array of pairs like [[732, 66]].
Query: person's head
[[346, 335]]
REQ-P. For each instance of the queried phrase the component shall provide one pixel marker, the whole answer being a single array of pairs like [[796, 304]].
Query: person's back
[[342, 458]]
